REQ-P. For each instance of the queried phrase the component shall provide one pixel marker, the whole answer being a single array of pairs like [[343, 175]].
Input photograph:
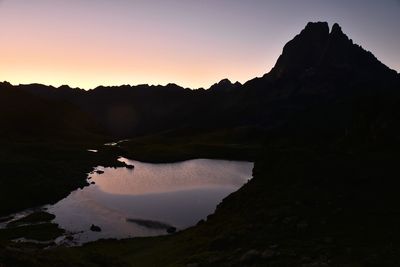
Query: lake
[[149, 199]]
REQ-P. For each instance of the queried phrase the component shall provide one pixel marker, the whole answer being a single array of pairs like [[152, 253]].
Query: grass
[[240, 144], [36, 217], [38, 232], [39, 173]]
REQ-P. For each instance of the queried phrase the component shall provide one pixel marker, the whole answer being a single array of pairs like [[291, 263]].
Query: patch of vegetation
[[36, 217], [38, 232], [6, 219], [37, 173], [184, 144], [150, 224]]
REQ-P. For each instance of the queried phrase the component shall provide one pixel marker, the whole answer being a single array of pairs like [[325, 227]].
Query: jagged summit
[[316, 29], [336, 29], [225, 84], [318, 49]]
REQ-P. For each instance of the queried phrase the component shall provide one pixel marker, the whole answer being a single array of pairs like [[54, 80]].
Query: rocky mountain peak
[[225, 84], [318, 49], [337, 33], [336, 29], [316, 29]]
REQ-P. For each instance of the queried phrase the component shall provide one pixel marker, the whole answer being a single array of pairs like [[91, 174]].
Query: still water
[[148, 199]]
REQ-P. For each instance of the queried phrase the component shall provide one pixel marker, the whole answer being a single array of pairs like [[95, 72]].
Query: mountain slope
[[24, 115]]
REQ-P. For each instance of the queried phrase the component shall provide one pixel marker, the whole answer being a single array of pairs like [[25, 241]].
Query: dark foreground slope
[[322, 127], [43, 153]]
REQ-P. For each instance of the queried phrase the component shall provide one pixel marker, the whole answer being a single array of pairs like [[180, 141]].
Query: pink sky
[[191, 43]]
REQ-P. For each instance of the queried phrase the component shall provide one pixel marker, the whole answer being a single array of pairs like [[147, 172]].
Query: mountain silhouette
[[321, 82], [24, 115], [225, 85], [318, 50]]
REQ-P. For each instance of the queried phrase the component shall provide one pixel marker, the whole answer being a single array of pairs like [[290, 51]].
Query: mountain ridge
[[319, 66], [312, 28]]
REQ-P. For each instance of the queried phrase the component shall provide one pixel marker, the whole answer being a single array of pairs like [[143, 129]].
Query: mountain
[[316, 50], [225, 85], [25, 115], [321, 82]]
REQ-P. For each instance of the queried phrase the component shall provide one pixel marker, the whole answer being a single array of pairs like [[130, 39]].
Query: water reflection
[[137, 202]]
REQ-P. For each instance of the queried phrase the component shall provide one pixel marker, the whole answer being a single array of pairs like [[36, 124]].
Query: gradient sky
[[86, 43]]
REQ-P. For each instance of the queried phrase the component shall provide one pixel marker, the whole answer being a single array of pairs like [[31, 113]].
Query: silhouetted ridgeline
[[28, 115], [322, 83]]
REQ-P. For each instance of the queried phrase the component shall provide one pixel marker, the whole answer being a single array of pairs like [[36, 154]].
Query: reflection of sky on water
[[179, 194]]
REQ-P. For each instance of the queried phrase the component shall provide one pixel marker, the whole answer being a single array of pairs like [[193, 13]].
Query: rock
[[6, 219], [337, 211], [69, 237], [95, 228], [200, 222], [92, 183], [171, 230], [290, 219], [225, 85], [250, 256], [268, 254], [274, 219], [33, 218], [214, 260], [130, 167], [99, 172], [274, 246], [337, 31], [302, 225], [304, 51], [316, 264]]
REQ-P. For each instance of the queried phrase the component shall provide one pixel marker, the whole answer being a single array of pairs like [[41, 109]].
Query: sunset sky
[[86, 43]]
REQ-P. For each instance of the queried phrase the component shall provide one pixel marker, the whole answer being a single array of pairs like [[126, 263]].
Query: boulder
[[95, 228], [250, 256], [130, 167], [171, 230]]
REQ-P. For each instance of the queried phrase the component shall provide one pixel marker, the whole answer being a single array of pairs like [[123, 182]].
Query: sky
[[86, 43]]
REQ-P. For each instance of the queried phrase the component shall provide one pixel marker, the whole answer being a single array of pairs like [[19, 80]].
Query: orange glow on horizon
[[191, 43], [56, 63], [67, 43], [90, 77]]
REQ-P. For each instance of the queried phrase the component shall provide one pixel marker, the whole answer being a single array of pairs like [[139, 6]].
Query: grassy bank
[[178, 145], [39, 173]]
